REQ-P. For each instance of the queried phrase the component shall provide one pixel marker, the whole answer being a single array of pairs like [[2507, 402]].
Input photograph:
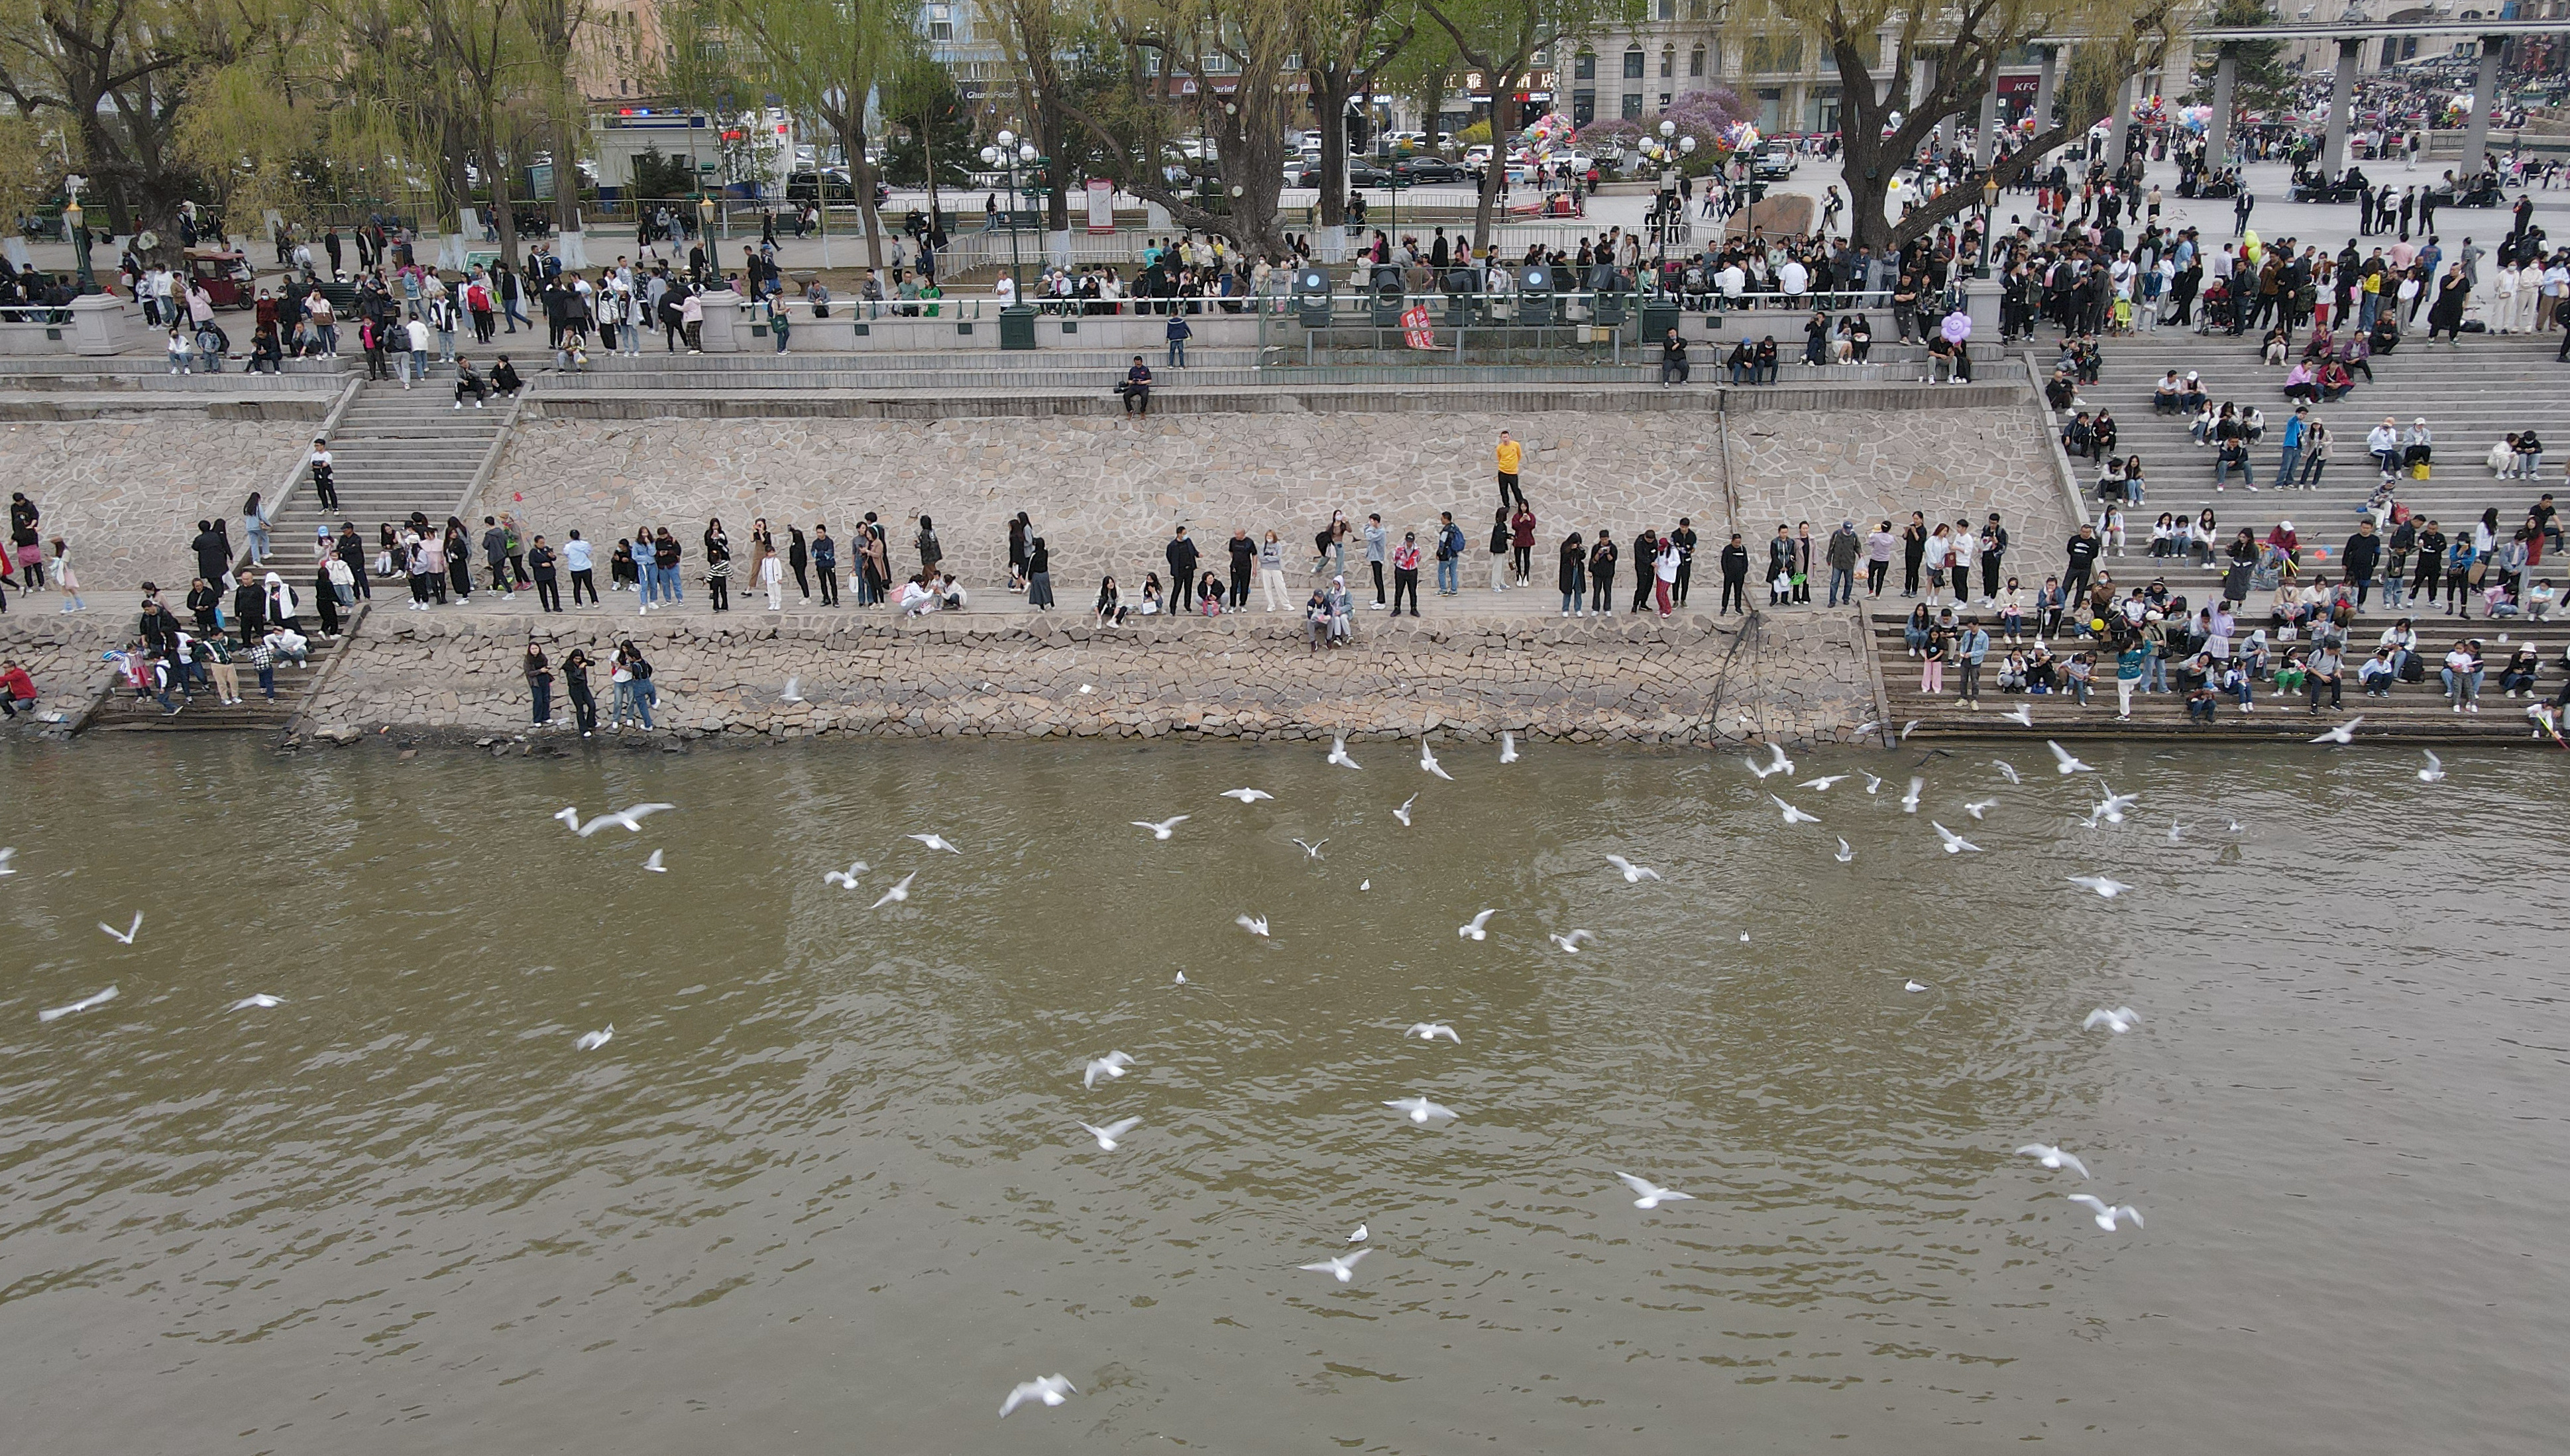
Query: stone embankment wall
[[1687, 680], [1104, 493], [63, 652], [126, 494]]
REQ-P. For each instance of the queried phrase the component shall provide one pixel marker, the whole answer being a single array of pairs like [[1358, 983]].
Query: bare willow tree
[[1346, 42], [1935, 63], [555, 30], [1499, 40]]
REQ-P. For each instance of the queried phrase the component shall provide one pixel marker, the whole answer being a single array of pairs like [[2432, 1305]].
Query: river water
[[823, 1189]]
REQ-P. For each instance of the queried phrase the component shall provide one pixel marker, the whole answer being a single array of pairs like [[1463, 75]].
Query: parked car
[[1774, 163], [841, 188], [1413, 171], [1360, 174]]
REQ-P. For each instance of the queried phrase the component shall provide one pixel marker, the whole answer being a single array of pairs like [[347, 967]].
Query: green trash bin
[[1017, 326], [1659, 316]]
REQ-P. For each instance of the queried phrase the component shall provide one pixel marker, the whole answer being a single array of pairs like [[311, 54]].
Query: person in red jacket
[[1522, 543], [17, 689]]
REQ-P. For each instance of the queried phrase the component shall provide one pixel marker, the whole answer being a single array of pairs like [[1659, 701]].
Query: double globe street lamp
[[1668, 150], [1009, 156]]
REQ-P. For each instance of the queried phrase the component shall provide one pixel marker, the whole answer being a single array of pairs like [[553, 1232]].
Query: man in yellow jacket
[[1512, 454]]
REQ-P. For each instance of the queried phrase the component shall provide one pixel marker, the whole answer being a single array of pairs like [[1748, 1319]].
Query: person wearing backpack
[[1450, 552]]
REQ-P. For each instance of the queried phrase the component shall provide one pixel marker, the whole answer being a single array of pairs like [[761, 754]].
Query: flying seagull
[[2062, 761], [1508, 748], [1910, 801], [2108, 1213], [1844, 854], [935, 842], [1570, 943], [1111, 1066], [1633, 873], [653, 863], [1429, 1030], [2008, 771], [1161, 830], [263, 1000], [2177, 832], [1955, 843], [1871, 783], [1051, 1390], [1822, 784], [85, 1003], [2023, 715], [2119, 1021], [1343, 1266], [1108, 1135], [590, 1040], [846, 879], [1428, 760], [1652, 1195], [1977, 806], [2051, 1156], [898, 892], [794, 690], [1473, 930], [1402, 813], [7, 853], [2342, 734], [631, 819], [1339, 753], [2106, 888], [1779, 764], [1247, 796], [1793, 815], [1420, 1109], [1312, 851], [2435, 769], [126, 935], [1254, 924]]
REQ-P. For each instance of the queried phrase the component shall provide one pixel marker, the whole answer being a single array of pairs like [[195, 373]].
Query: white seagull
[[2342, 734], [1420, 1109], [590, 1040], [794, 690], [2008, 771], [1254, 924], [7, 853], [1428, 760], [1339, 753], [1652, 1195], [1343, 1266], [1473, 929], [1359, 1236], [1570, 943], [2108, 1213], [2023, 715], [1977, 806], [83, 1004], [1793, 815], [1911, 986], [1955, 843], [126, 935], [846, 879], [1247, 796], [1822, 784], [1910, 801], [2106, 888], [653, 863], [1108, 1135], [2177, 832], [631, 819], [1402, 813], [1844, 854], [570, 815], [898, 892], [2062, 761], [263, 1000], [1051, 1390], [1633, 873], [1312, 851], [1161, 830], [1111, 1066], [1429, 1030], [2119, 1021], [1508, 748], [1776, 765], [933, 841], [1871, 783], [2051, 1156], [2435, 769]]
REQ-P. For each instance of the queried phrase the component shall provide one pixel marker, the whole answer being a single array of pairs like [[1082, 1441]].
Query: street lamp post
[[1017, 318], [71, 222], [1989, 238], [1666, 153]]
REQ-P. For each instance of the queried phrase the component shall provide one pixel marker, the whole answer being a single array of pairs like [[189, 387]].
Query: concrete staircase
[[120, 710], [395, 451]]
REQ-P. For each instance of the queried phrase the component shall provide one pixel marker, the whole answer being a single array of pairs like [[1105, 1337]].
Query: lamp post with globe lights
[[1666, 150], [1009, 156]]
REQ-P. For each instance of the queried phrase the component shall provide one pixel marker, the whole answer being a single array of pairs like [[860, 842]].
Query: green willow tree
[[1499, 40], [2260, 79], [826, 58]]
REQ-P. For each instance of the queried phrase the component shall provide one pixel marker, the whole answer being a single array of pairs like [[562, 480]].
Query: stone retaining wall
[[126, 494], [62, 651], [1687, 681]]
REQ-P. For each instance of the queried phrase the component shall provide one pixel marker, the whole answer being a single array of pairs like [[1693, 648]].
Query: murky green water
[[823, 1191]]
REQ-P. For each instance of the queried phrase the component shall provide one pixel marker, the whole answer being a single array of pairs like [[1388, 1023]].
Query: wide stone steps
[[397, 451], [121, 711], [2413, 710]]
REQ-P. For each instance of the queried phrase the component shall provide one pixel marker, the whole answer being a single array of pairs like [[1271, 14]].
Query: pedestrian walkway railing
[[1534, 325]]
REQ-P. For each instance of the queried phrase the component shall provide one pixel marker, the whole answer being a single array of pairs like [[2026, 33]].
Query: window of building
[[1695, 9], [1633, 63], [1632, 106], [1584, 108], [1695, 61], [1668, 61], [1669, 9], [1585, 67], [1772, 55]]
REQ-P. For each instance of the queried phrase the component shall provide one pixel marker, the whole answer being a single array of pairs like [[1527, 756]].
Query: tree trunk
[[504, 214], [1331, 88]]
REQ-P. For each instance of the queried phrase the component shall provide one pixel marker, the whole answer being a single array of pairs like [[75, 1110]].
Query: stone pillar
[[2341, 94], [100, 325], [2226, 77], [1986, 139], [2043, 87], [2121, 119], [2484, 101], [722, 328]]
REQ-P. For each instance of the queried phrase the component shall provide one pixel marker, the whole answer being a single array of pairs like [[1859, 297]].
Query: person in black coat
[[214, 552], [250, 611], [1735, 576], [1181, 555], [2364, 552]]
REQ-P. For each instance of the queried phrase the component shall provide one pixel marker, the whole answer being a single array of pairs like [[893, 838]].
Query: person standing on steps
[[1601, 573], [1450, 555], [1404, 573], [1511, 455], [1735, 577], [1271, 575], [1842, 551], [1180, 553], [1244, 565], [584, 702], [930, 551], [1376, 550], [1522, 544], [1913, 551], [548, 581], [825, 563], [539, 684], [1684, 536]]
